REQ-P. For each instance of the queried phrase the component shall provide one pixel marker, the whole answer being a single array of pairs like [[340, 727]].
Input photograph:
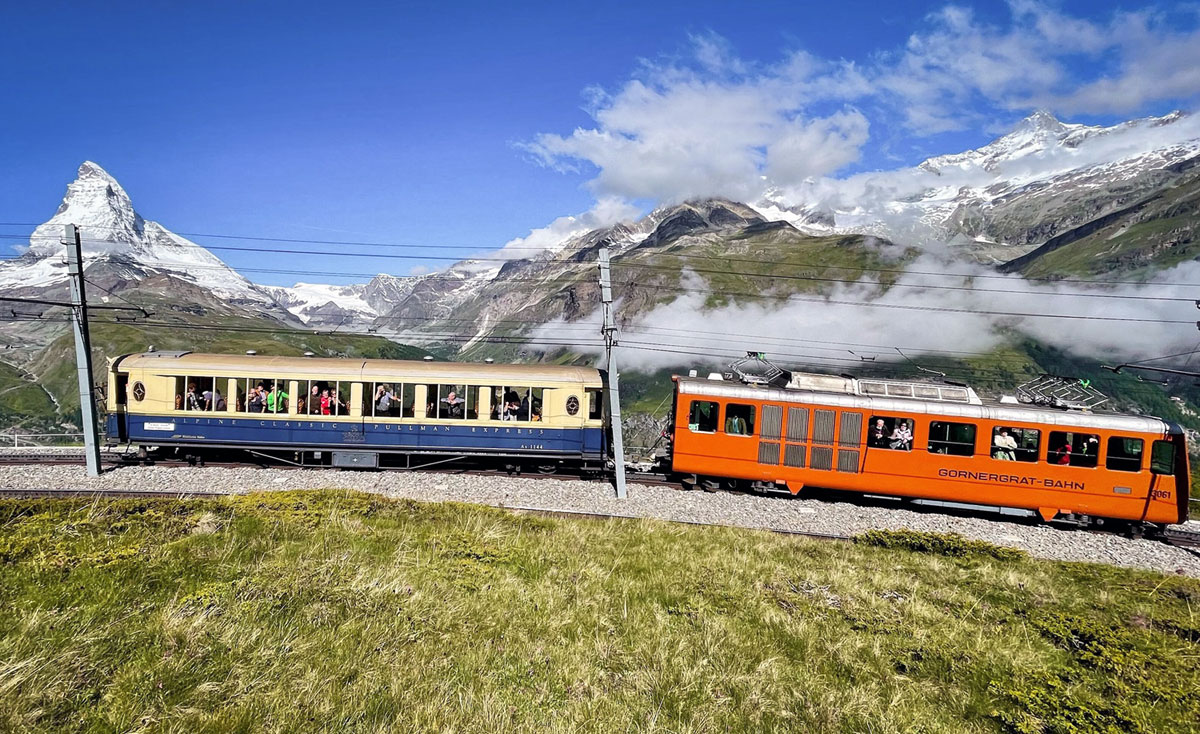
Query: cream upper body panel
[[371, 370]]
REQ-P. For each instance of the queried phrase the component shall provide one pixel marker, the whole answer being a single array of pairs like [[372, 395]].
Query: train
[[788, 432]]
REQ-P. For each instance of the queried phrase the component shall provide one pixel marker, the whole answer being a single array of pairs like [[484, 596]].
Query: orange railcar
[[847, 434]]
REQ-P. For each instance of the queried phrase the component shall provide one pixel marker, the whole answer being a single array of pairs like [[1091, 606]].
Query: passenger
[[206, 400], [221, 404], [277, 399], [901, 438], [878, 437], [383, 399], [1060, 455], [735, 425], [338, 407], [191, 400], [326, 405], [454, 405], [258, 399], [178, 401], [301, 406], [314, 400], [512, 405], [1005, 446]]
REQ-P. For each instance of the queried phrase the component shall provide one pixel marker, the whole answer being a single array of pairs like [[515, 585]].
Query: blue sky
[[473, 124]]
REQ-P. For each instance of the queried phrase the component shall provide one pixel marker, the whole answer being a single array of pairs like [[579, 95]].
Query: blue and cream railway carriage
[[332, 410]]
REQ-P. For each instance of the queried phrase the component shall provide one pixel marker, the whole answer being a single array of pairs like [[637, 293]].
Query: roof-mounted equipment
[[1055, 391], [756, 369]]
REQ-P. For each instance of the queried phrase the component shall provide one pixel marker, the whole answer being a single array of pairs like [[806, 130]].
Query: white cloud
[[712, 123], [607, 212]]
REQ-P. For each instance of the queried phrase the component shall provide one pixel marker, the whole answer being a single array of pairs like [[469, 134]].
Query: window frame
[[750, 424], [716, 417], [1154, 459], [1071, 452], [948, 442], [1108, 454], [1018, 434], [890, 423]]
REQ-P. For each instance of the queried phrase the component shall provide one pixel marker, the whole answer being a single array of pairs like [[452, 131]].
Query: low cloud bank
[[833, 333]]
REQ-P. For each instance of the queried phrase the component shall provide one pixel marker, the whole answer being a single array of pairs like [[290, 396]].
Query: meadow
[[336, 611]]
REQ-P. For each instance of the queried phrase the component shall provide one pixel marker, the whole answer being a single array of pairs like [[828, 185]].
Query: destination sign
[[985, 476]]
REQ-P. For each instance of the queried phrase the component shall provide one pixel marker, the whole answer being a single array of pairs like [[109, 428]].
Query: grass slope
[[22, 402], [305, 612], [1163, 232]]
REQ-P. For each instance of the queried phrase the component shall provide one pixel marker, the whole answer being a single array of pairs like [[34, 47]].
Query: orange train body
[[832, 432]]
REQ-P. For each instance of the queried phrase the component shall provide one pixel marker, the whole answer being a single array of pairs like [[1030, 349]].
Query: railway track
[[1175, 537]]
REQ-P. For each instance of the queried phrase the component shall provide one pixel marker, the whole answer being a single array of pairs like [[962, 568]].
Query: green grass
[[1160, 235], [22, 402], [323, 612]]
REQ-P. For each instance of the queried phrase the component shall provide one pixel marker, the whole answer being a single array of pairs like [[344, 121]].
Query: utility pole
[[610, 357], [83, 350]]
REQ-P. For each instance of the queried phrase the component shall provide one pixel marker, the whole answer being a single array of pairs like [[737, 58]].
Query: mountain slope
[[1155, 232], [113, 232], [1007, 198]]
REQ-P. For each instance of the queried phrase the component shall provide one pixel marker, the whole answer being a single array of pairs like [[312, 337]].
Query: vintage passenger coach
[[358, 412]]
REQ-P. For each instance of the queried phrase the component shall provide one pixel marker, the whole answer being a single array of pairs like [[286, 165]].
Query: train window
[[323, 397], [1124, 454], [739, 419], [517, 403], [955, 439], [252, 393], [1015, 444], [277, 395], [1075, 449], [1162, 457], [538, 394], [595, 404], [197, 393], [389, 400], [704, 416], [452, 402], [887, 432]]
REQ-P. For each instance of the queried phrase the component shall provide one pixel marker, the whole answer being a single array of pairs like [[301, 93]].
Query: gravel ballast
[[645, 501]]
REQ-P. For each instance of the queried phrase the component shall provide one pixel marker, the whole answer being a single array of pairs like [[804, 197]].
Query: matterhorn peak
[[112, 230], [95, 203]]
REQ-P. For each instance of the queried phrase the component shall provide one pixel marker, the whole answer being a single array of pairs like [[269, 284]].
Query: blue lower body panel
[[300, 433]]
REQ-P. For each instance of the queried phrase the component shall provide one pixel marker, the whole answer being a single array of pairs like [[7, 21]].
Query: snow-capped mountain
[[113, 232], [1007, 197]]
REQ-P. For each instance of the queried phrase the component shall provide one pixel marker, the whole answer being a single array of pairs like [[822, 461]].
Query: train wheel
[[547, 468]]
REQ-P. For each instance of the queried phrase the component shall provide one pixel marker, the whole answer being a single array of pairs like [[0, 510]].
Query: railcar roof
[[990, 410], [353, 369]]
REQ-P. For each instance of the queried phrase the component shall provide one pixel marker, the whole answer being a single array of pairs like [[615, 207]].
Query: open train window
[[888, 432], [595, 404], [516, 403], [1075, 449], [453, 402], [704, 416], [198, 393], [739, 419], [955, 439], [1016, 444], [262, 395], [388, 400], [1162, 457], [323, 397], [1124, 454]]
